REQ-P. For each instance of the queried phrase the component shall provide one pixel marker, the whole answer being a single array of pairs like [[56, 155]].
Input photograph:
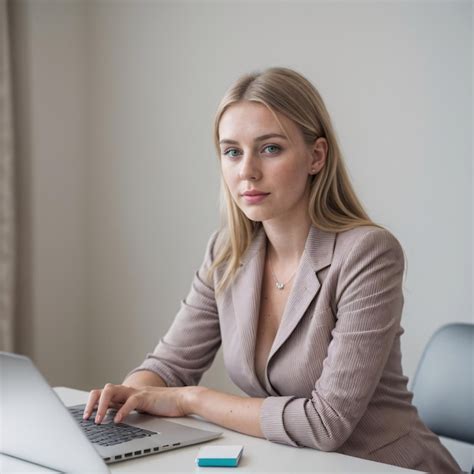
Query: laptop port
[[156, 449], [127, 455], [118, 457], [176, 444], [166, 446], [137, 453], [106, 459], [146, 451]]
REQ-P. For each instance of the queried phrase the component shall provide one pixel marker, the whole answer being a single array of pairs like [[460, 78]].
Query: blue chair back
[[443, 385]]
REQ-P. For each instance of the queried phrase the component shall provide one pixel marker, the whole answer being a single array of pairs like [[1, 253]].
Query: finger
[[133, 402], [94, 395], [115, 405], [110, 395], [104, 401]]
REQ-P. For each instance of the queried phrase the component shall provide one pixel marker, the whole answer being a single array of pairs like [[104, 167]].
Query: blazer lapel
[[317, 255], [246, 291]]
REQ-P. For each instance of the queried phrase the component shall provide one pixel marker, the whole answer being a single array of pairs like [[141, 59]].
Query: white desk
[[260, 455]]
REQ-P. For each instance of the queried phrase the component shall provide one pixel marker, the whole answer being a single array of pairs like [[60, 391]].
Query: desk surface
[[259, 455]]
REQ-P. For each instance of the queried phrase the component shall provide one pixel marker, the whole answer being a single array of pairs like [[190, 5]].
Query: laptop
[[36, 427]]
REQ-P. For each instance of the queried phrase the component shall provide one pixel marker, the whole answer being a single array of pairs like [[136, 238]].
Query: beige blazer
[[333, 379]]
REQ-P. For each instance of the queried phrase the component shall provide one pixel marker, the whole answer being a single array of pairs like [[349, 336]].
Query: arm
[[369, 302], [236, 413], [230, 411], [183, 354], [189, 346], [144, 378]]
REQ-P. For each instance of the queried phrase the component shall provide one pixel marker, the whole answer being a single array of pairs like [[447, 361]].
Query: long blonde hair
[[333, 204]]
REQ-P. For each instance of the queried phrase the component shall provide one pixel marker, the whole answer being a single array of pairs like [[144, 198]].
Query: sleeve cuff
[[271, 420], [156, 366]]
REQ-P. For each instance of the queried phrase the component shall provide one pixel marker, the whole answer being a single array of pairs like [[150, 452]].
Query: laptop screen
[[34, 424]]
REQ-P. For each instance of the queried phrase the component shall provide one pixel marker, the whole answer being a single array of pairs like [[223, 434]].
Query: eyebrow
[[258, 139]]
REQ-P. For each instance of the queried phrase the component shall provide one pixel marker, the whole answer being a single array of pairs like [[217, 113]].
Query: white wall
[[141, 178]]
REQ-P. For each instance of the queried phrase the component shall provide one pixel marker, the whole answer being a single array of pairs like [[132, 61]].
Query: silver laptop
[[36, 427]]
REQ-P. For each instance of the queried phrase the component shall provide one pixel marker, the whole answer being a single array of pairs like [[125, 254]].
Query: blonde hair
[[333, 204]]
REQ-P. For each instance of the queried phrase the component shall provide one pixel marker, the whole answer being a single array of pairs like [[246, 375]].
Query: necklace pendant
[[279, 285]]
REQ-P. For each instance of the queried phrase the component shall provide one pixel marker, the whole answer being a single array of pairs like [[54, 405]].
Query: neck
[[286, 239]]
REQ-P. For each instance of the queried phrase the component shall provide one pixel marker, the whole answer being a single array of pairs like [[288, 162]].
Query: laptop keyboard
[[108, 434]]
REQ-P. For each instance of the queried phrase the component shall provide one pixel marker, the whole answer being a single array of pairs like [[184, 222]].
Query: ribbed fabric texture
[[334, 380]]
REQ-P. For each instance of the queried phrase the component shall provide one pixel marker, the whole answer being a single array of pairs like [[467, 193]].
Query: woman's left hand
[[161, 401]]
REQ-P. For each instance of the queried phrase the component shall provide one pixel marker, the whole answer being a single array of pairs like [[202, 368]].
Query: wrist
[[192, 396]]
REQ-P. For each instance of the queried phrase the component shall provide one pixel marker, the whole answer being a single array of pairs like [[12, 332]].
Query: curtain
[[7, 203]]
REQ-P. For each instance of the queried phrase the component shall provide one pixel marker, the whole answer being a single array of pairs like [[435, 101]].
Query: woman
[[301, 288]]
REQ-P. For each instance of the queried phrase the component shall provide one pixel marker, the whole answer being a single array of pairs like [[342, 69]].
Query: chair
[[443, 389]]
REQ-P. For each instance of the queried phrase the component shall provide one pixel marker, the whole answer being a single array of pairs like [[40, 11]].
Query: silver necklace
[[280, 285]]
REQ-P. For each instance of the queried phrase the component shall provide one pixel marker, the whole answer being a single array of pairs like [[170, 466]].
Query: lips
[[254, 192], [254, 196]]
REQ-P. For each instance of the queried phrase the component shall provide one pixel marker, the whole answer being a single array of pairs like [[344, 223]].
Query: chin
[[257, 215]]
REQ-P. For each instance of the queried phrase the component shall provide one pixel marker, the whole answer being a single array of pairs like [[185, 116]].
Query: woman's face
[[265, 169]]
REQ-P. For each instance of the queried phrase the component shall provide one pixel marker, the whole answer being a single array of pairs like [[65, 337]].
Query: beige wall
[[50, 85], [120, 182]]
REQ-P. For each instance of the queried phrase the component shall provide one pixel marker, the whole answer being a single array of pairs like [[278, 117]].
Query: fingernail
[[117, 419], [86, 415], [98, 419]]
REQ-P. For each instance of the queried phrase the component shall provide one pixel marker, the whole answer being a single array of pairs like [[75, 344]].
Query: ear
[[318, 151]]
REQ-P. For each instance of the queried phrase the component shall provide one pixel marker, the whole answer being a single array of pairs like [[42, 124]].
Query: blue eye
[[231, 153], [272, 149]]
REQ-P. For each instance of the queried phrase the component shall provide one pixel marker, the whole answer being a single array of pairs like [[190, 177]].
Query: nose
[[250, 168]]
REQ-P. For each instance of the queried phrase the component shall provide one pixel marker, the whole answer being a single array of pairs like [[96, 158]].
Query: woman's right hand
[[161, 401]]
